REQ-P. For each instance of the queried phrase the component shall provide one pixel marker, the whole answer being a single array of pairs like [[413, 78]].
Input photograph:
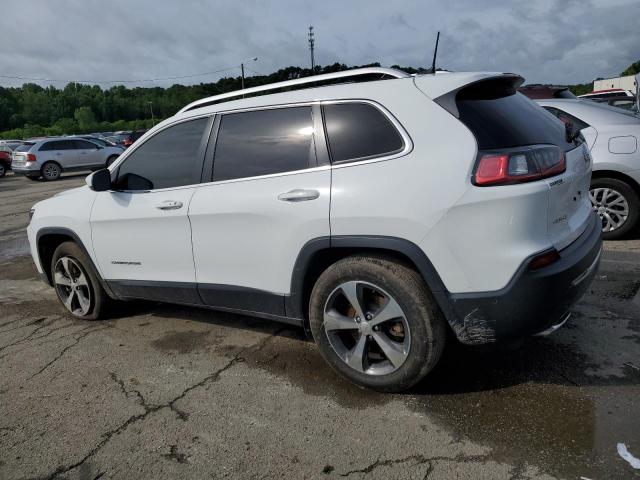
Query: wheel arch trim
[[295, 301], [62, 231]]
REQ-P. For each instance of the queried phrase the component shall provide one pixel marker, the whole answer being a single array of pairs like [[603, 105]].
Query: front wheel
[[617, 204], [375, 323], [76, 282]]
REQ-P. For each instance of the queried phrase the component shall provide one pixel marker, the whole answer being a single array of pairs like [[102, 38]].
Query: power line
[[159, 79]]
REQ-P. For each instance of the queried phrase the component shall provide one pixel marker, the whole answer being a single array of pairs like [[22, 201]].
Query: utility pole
[[254, 59], [153, 122], [312, 42]]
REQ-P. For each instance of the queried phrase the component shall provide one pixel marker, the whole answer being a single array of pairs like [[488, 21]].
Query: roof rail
[[383, 72]]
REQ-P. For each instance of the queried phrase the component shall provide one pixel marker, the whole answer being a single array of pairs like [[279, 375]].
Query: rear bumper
[[24, 170], [533, 301]]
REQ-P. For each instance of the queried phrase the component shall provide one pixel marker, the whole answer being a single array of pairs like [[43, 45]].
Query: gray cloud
[[560, 41]]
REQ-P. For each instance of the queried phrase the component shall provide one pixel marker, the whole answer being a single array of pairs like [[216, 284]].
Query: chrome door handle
[[299, 195], [169, 205]]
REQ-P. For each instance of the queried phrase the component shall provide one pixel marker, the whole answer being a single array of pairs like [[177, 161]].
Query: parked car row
[[125, 139], [48, 158], [65, 161]]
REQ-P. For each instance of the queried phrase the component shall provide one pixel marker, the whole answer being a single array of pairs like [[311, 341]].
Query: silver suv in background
[[49, 157]]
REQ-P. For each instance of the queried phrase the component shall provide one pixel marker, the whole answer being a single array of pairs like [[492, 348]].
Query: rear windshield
[[499, 117], [25, 147]]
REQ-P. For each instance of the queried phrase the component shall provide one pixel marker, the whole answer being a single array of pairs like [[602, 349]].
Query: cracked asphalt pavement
[[161, 391]]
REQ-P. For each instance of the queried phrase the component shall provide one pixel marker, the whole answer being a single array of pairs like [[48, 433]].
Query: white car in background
[[612, 135]]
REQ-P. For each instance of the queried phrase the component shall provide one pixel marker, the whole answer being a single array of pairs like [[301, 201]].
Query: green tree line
[[32, 110]]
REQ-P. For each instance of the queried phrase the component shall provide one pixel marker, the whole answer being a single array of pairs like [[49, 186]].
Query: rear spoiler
[[485, 88]]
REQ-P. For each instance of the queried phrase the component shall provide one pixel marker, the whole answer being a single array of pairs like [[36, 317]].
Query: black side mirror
[[101, 180]]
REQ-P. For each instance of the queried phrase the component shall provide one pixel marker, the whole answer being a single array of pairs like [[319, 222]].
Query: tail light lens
[[31, 157], [521, 165]]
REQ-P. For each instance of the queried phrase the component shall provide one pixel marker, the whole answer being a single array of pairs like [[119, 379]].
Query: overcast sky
[[546, 41]]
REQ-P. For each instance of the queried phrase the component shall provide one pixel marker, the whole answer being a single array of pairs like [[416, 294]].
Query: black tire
[[3, 170], [424, 320], [110, 160], [631, 197], [50, 171], [99, 301]]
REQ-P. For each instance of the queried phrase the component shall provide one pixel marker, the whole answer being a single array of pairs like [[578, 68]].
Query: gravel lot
[[170, 392]]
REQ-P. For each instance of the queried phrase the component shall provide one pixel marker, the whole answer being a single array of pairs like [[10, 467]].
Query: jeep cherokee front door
[[140, 230]]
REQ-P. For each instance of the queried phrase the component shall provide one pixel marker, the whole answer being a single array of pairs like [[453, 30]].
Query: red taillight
[[127, 143], [518, 165], [31, 157], [544, 260], [492, 169]]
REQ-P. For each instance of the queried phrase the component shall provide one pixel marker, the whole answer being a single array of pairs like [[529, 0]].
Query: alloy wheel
[[51, 171], [72, 286], [611, 206], [367, 328]]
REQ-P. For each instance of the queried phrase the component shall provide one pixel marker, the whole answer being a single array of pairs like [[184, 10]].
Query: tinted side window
[[168, 159], [82, 145], [359, 130], [58, 145], [264, 142]]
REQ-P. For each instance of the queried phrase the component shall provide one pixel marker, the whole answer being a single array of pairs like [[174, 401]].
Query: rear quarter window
[[358, 131]]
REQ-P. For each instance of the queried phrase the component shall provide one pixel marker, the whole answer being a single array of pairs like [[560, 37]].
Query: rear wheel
[[617, 204], [50, 171], [76, 282], [375, 323], [3, 170]]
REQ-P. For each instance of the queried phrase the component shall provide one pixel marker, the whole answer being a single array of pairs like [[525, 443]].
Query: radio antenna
[[435, 54]]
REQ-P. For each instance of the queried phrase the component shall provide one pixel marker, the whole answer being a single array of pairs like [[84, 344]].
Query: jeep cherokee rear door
[[268, 196]]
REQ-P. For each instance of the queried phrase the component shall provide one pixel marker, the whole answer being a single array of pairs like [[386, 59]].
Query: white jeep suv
[[385, 214]]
